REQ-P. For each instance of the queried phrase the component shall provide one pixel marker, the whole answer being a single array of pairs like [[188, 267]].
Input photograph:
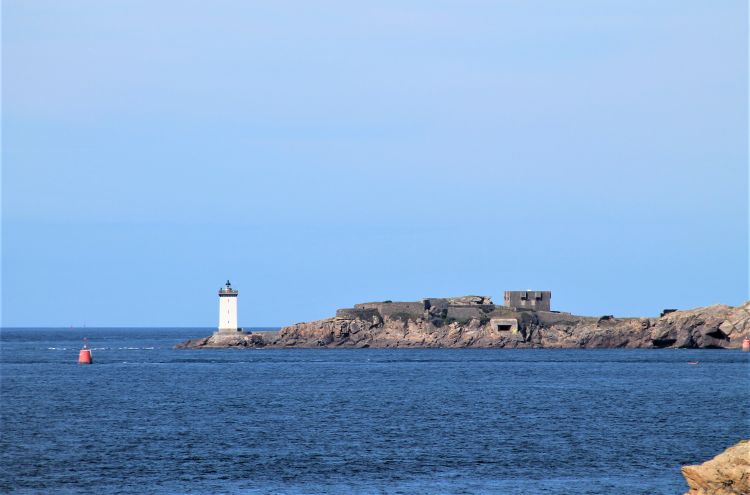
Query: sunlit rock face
[[726, 474]]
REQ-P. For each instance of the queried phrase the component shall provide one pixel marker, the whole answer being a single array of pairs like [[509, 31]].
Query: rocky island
[[523, 321]]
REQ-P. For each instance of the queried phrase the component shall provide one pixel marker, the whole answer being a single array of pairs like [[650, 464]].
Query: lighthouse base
[[228, 331], [230, 338]]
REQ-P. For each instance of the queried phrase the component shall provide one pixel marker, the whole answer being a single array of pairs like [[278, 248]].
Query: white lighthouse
[[228, 309]]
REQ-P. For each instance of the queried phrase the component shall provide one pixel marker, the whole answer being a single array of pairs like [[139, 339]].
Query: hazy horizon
[[324, 155]]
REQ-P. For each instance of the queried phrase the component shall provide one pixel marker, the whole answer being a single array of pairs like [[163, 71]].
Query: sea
[[147, 418]]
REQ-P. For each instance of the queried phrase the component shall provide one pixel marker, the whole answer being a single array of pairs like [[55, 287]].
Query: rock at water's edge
[[726, 474], [223, 340]]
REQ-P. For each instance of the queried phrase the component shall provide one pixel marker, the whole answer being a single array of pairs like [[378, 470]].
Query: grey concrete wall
[[470, 307], [466, 312], [538, 300], [412, 309], [503, 312], [369, 305]]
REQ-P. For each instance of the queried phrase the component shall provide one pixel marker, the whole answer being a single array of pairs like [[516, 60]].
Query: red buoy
[[84, 357], [746, 345]]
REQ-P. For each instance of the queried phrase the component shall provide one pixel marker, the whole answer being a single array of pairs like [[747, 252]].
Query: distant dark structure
[[667, 311], [528, 299], [456, 309]]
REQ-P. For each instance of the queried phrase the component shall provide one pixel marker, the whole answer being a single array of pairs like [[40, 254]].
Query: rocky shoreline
[[474, 322], [726, 474]]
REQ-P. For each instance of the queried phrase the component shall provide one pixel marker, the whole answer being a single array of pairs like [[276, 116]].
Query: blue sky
[[320, 154]]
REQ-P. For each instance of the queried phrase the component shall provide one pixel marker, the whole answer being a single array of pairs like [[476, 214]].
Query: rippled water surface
[[146, 418]]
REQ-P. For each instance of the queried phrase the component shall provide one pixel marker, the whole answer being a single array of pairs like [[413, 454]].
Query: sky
[[322, 154]]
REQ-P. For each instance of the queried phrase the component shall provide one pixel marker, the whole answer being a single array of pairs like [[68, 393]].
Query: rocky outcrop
[[473, 321], [726, 474], [222, 339], [709, 327]]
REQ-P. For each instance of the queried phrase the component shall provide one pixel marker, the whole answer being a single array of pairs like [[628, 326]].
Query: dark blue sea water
[[146, 418]]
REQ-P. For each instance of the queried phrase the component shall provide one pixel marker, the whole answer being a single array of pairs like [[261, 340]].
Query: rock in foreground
[[474, 321], [726, 474]]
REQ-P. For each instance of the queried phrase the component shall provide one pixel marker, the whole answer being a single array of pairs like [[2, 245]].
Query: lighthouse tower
[[228, 309]]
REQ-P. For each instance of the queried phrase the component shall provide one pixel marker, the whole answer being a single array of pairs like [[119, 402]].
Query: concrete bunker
[[538, 300], [504, 324]]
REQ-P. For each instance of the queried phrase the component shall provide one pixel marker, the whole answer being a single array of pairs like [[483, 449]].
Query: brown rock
[[726, 474], [717, 326]]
